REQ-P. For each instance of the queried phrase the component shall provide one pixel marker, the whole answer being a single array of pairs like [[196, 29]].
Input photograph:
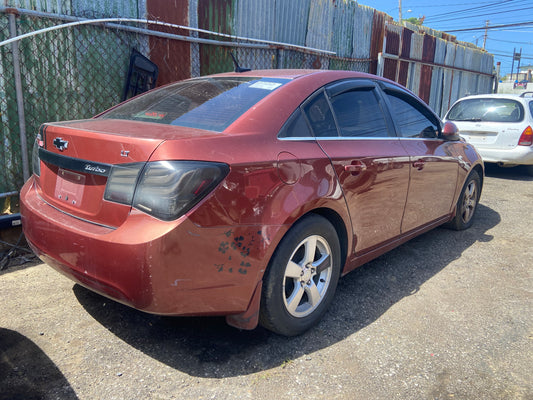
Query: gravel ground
[[446, 316]]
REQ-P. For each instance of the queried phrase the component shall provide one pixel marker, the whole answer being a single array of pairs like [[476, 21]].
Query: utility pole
[[518, 70], [400, 11], [486, 33]]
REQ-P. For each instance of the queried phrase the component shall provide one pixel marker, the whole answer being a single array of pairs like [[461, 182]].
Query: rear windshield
[[489, 110], [206, 103]]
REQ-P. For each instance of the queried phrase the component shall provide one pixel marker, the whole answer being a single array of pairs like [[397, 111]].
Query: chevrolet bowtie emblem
[[60, 143]]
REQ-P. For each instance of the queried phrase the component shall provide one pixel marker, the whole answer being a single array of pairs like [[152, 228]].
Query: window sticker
[[265, 85], [151, 115]]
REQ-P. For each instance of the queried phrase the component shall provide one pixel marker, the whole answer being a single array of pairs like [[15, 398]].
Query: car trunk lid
[[496, 135], [77, 158]]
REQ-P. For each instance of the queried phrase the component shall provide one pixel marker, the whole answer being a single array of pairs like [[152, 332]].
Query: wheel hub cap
[[307, 274]]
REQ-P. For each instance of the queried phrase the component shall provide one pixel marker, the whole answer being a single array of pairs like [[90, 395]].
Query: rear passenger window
[[410, 121], [320, 118], [359, 114], [296, 127]]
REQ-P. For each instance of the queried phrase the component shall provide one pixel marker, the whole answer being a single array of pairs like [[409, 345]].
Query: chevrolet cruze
[[245, 194]]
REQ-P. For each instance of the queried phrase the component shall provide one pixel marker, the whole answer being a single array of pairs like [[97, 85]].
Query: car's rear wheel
[[467, 203], [301, 278]]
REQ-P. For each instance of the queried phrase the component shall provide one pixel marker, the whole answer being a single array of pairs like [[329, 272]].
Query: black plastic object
[[238, 68], [9, 220], [142, 75]]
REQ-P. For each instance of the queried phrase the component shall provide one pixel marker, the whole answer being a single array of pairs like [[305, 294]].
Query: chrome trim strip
[[297, 139], [74, 216]]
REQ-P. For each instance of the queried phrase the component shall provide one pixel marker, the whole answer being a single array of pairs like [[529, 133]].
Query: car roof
[[318, 75], [497, 96], [296, 73]]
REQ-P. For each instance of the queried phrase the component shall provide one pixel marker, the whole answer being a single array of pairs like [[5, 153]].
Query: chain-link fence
[[10, 160], [80, 70]]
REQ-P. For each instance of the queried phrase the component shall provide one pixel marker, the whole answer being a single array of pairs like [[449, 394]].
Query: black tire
[[529, 169], [298, 287], [467, 203]]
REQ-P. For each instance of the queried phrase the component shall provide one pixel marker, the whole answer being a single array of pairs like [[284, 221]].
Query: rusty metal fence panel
[[344, 22], [437, 70], [83, 8], [362, 32]]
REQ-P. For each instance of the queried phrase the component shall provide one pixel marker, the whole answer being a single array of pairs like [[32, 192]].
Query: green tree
[[416, 21]]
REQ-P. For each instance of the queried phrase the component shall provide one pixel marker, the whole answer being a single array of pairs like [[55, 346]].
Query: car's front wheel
[[467, 203], [301, 278]]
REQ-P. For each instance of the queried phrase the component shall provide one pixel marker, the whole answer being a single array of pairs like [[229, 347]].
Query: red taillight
[[526, 139], [164, 189]]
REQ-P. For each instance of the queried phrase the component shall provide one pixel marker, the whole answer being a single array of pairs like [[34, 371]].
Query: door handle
[[419, 164], [355, 167]]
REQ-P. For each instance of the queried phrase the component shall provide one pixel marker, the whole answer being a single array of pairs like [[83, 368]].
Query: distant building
[[525, 74], [526, 71]]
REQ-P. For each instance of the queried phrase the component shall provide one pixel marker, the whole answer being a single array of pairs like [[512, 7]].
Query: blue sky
[[452, 15]]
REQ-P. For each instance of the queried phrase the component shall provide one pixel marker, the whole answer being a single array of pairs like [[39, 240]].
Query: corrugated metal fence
[[80, 70], [439, 70]]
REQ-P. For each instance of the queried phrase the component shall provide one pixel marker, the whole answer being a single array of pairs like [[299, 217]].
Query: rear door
[[370, 163], [433, 162]]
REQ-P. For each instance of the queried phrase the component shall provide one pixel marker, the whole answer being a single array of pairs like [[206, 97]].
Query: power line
[[490, 27], [448, 4], [523, 57], [499, 3], [510, 41], [481, 15]]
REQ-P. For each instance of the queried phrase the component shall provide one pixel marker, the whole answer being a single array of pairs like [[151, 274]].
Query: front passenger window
[[410, 122]]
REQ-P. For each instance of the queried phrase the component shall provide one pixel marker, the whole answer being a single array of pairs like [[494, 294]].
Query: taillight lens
[[35, 161], [164, 189], [121, 183], [526, 139]]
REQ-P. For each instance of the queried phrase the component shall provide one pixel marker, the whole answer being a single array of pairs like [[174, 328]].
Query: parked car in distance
[[245, 194], [521, 84], [498, 125]]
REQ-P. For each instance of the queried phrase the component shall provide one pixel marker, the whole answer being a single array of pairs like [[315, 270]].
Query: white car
[[498, 125]]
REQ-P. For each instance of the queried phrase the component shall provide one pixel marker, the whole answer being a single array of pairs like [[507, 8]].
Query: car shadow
[[27, 373], [207, 347], [517, 173]]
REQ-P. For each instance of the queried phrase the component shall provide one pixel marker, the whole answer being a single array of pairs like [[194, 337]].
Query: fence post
[[195, 47], [381, 64], [20, 96]]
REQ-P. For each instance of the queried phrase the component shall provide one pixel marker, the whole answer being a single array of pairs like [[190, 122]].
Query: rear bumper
[[518, 155], [168, 268]]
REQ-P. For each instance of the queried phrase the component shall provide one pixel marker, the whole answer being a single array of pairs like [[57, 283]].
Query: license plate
[[69, 187]]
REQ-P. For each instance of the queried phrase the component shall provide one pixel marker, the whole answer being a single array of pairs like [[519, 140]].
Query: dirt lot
[[445, 316]]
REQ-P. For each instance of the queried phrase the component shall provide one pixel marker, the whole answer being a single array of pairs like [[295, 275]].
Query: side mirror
[[450, 132]]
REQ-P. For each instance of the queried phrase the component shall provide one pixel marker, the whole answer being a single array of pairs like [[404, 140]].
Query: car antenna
[[238, 68]]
